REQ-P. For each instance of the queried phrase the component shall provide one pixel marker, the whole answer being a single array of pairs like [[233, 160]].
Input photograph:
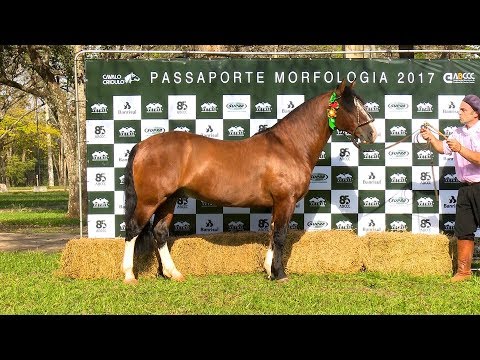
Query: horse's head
[[346, 112]]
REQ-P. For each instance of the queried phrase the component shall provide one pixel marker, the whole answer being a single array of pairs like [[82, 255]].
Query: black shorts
[[467, 217]]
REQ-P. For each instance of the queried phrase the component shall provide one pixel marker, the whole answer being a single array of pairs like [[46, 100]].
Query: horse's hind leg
[[127, 265], [162, 220], [134, 228]]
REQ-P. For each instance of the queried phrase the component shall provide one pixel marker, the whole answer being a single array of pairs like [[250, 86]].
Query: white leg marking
[[168, 267], [127, 266], [268, 262]]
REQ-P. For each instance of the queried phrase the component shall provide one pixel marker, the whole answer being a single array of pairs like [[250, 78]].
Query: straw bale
[[318, 252], [321, 252], [405, 252], [98, 258]]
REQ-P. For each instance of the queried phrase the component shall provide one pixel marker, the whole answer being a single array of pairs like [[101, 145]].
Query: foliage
[[17, 169], [23, 133]]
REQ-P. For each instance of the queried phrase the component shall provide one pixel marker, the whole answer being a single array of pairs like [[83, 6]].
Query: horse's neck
[[307, 128]]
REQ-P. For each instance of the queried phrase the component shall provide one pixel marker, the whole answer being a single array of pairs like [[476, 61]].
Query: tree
[[47, 72]]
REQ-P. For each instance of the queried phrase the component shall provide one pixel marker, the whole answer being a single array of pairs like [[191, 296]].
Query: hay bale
[[318, 252], [87, 258], [405, 252], [221, 253], [321, 252]]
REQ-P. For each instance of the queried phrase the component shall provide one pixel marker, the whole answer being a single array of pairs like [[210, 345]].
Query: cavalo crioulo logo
[[117, 79]]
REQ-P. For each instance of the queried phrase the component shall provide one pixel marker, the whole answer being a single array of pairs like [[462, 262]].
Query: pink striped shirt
[[469, 138]]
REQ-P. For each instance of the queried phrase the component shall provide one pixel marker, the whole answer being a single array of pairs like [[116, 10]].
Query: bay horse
[[271, 169]]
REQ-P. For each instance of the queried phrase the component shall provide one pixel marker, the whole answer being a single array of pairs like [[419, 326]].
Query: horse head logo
[[131, 77]]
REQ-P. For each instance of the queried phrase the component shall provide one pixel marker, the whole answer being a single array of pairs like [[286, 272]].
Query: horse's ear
[[341, 87], [353, 83]]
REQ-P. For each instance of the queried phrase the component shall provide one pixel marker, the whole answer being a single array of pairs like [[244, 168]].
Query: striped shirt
[[469, 138]]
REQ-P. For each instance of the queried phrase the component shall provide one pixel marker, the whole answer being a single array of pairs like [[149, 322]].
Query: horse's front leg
[[274, 259], [279, 239]]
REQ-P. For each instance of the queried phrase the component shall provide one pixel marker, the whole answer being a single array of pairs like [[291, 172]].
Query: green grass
[[22, 211], [29, 285]]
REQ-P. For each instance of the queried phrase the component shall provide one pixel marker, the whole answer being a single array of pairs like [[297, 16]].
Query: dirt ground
[[49, 242]]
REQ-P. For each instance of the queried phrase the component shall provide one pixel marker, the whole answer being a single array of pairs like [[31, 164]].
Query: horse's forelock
[[348, 96]]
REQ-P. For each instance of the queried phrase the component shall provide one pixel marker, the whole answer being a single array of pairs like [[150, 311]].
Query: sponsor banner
[[397, 184]]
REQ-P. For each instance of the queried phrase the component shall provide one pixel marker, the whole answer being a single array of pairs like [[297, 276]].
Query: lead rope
[[427, 125]]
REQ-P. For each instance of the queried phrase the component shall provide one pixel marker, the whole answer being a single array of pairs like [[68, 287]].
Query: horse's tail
[[145, 240]]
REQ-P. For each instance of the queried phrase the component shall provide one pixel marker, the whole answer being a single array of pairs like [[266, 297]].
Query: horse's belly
[[230, 196]]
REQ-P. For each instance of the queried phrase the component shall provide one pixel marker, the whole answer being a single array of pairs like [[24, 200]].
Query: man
[[464, 143]]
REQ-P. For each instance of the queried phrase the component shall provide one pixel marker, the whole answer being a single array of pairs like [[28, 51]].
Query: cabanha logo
[[398, 178], [425, 202], [398, 225], [154, 108], [209, 107], [100, 156], [182, 226], [318, 177], [317, 202], [343, 225], [99, 108], [236, 106], [425, 154], [372, 107], [100, 203], [371, 154], [116, 79], [371, 202], [236, 131], [449, 225], [398, 106], [344, 178], [450, 178], [459, 78], [323, 155], [293, 225], [424, 107], [154, 130], [398, 153], [122, 179], [236, 226], [319, 224], [126, 132], [398, 131], [122, 226], [182, 128], [263, 107]]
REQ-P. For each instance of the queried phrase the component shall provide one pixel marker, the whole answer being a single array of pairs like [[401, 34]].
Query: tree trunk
[[51, 177]]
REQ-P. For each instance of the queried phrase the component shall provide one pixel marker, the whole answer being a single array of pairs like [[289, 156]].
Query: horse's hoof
[[130, 281], [178, 277]]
